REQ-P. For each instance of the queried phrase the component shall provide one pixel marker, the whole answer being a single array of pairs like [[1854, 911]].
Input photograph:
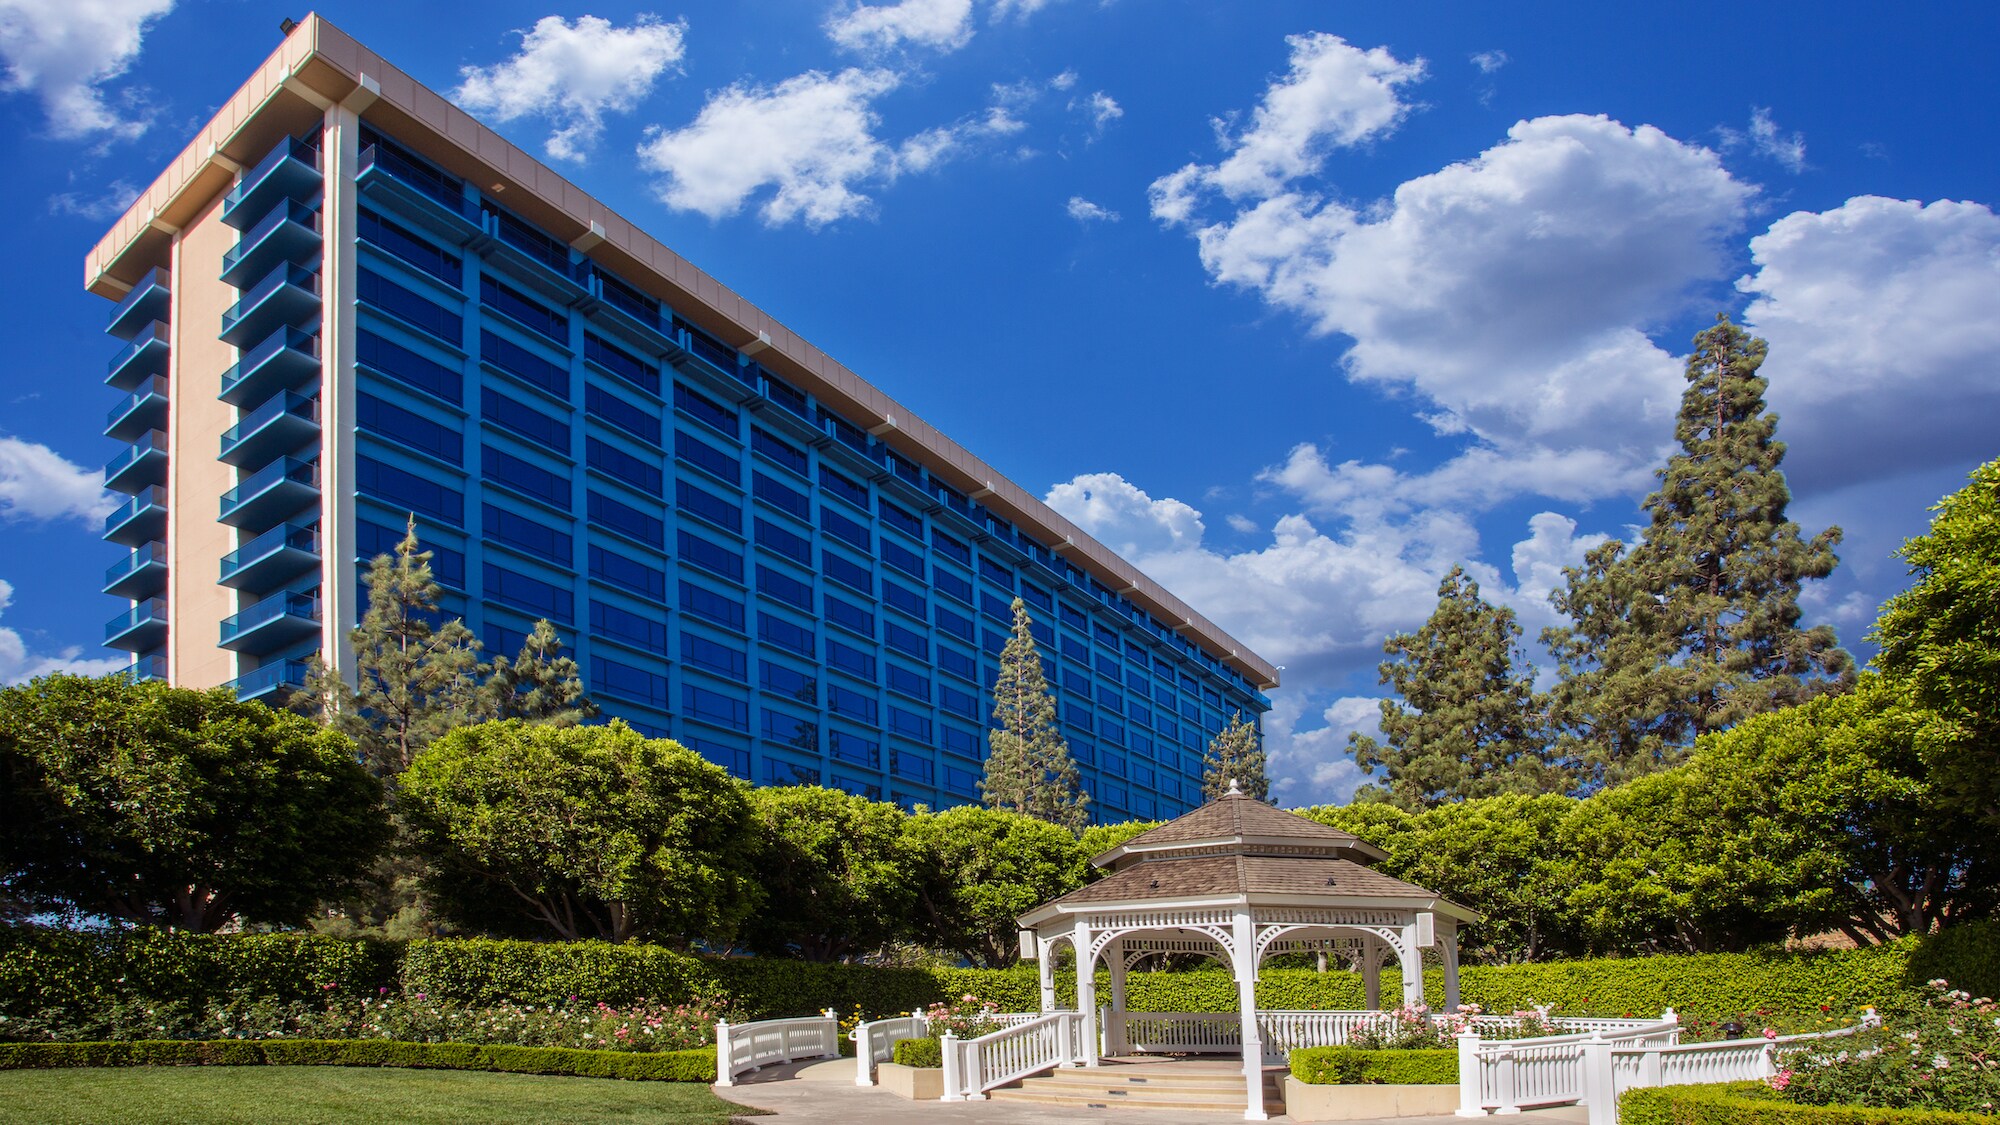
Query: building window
[[627, 520], [407, 306], [523, 364], [523, 534], [523, 420], [621, 363], [615, 462], [715, 707], [616, 412], [515, 473], [712, 557], [409, 491], [407, 367], [543, 599], [528, 313], [646, 581], [711, 606], [642, 632], [408, 428], [715, 656]]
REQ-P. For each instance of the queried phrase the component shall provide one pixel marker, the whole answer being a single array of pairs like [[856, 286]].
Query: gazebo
[[1239, 880]]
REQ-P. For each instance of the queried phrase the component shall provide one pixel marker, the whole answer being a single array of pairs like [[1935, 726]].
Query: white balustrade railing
[[745, 1047], [1282, 1032], [974, 1066], [875, 1042]]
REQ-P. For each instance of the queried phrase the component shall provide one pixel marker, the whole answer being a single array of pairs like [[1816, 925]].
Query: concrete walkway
[[824, 1092]]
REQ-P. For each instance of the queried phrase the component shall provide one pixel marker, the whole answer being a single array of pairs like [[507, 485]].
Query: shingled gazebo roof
[[1238, 824]]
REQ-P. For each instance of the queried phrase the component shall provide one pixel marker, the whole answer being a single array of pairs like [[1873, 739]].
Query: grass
[[312, 1095]]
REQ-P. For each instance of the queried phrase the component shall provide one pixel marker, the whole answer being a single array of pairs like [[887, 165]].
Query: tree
[[1235, 754], [415, 678], [584, 831], [839, 873], [1028, 767], [145, 803], [540, 685], [1468, 724], [985, 868], [1697, 627], [1942, 636]]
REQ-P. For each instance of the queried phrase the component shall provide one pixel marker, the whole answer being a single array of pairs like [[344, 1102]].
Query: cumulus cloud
[[1084, 211], [1103, 109], [942, 25], [65, 53], [18, 663], [1489, 61], [39, 484], [573, 74], [1883, 317], [811, 139], [99, 206]]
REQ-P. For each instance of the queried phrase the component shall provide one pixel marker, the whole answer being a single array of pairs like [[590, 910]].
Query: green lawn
[[315, 1095]]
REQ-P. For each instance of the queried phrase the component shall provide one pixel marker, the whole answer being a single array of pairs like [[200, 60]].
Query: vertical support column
[[1045, 971], [1086, 991], [723, 1077], [954, 1078], [1448, 946], [1371, 972], [1410, 950], [340, 158], [1243, 954], [1114, 1027], [1468, 1075], [1597, 1081]]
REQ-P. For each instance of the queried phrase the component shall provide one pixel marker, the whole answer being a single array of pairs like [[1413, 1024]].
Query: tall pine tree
[[1028, 767], [1236, 754], [540, 685], [415, 677], [1697, 627], [1467, 723]]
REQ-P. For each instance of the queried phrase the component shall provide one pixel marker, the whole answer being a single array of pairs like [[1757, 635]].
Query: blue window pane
[[372, 540], [902, 559], [996, 608], [850, 659], [850, 574], [1036, 596], [524, 420], [409, 491], [702, 455], [1079, 715], [531, 594], [406, 305], [523, 364], [788, 773], [845, 530], [613, 621], [951, 584], [915, 767], [615, 462], [711, 606], [709, 506], [778, 450], [952, 623], [405, 366], [626, 520], [950, 548], [779, 495], [962, 742], [849, 616], [845, 489], [524, 310], [610, 677], [407, 428], [790, 731], [961, 782], [714, 656], [783, 542], [909, 682], [849, 747], [409, 248], [621, 363], [614, 411], [788, 635], [704, 409], [959, 702], [524, 534], [906, 640], [610, 566], [711, 556], [910, 724], [785, 588], [794, 685], [957, 663], [901, 520]]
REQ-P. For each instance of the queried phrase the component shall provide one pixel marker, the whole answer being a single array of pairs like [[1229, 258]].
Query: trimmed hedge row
[[918, 1052], [1750, 1103], [42, 969], [655, 1066], [1352, 1066]]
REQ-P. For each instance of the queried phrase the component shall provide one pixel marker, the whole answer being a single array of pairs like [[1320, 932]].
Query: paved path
[[824, 1093]]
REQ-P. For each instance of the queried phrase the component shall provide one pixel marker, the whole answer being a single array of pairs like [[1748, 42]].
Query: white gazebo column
[[1448, 946], [1045, 971], [1370, 964], [1243, 957], [1416, 936], [1114, 1030], [1086, 991]]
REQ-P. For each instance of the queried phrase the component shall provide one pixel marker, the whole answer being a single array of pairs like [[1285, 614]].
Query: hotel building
[[347, 302]]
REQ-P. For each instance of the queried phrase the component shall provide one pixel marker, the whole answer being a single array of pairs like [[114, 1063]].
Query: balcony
[[148, 666], [289, 171], [288, 295], [147, 302], [141, 519], [285, 235], [139, 575], [286, 421], [139, 465], [418, 194], [142, 359], [286, 360], [271, 494], [273, 679], [269, 625], [144, 409], [139, 629], [272, 559]]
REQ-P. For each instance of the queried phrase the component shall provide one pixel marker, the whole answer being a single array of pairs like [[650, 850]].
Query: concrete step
[[1148, 1087]]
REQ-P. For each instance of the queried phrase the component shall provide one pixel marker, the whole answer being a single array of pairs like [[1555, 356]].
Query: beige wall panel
[[199, 539]]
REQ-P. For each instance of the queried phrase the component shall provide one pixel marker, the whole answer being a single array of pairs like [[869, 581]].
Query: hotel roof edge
[[318, 64]]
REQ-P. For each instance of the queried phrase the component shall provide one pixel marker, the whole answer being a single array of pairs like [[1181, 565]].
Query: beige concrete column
[[340, 158]]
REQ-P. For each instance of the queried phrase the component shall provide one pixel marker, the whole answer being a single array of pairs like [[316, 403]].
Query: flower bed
[[1942, 1053]]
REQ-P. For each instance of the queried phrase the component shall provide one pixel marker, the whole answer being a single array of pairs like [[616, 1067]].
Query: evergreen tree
[[1028, 767], [416, 679], [1236, 754], [540, 685], [1467, 723], [1697, 627]]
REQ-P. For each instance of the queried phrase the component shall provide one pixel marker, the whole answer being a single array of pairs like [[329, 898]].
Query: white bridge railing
[[875, 1041], [745, 1047], [974, 1066]]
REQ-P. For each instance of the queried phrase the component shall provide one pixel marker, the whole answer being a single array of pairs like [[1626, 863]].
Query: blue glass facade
[[737, 566]]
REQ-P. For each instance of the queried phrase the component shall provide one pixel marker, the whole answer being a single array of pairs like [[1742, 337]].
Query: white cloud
[[1883, 318], [1084, 211], [1017, 9], [573, 74], [943, 25], [64, 53], [1313, 766], [1769, 141], [1489, 61], [107, 204], [17, 664], [810, 138], [1336, 96], [1103, 110], [37, 483]]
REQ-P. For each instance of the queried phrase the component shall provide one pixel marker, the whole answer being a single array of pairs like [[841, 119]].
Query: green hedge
[[918, 1052], [1351, 1066], [657, 1066], [1751, 1103]]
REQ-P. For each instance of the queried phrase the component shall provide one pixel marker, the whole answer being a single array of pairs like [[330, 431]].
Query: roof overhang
[[1279, 846], [1041, 916]]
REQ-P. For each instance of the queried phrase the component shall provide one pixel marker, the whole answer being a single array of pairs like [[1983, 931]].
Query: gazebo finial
[[1235, 790]]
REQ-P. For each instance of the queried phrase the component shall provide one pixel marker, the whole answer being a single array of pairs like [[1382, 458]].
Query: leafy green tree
[[1028, 767], [145, 803], [1235, 754], [1942, 636], [540, 685], [1467, 723], [1697, 627], [839, 874], [985, 868], [415, 678], [585, 831]]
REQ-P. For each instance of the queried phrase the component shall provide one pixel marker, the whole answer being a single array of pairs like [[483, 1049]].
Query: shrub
[[1937, 1054], [660, 1066], [1752, 1103], [917, 1052], [1352, 1066]]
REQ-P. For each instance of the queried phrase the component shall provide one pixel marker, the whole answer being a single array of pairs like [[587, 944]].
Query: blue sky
[[1297, 305]]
